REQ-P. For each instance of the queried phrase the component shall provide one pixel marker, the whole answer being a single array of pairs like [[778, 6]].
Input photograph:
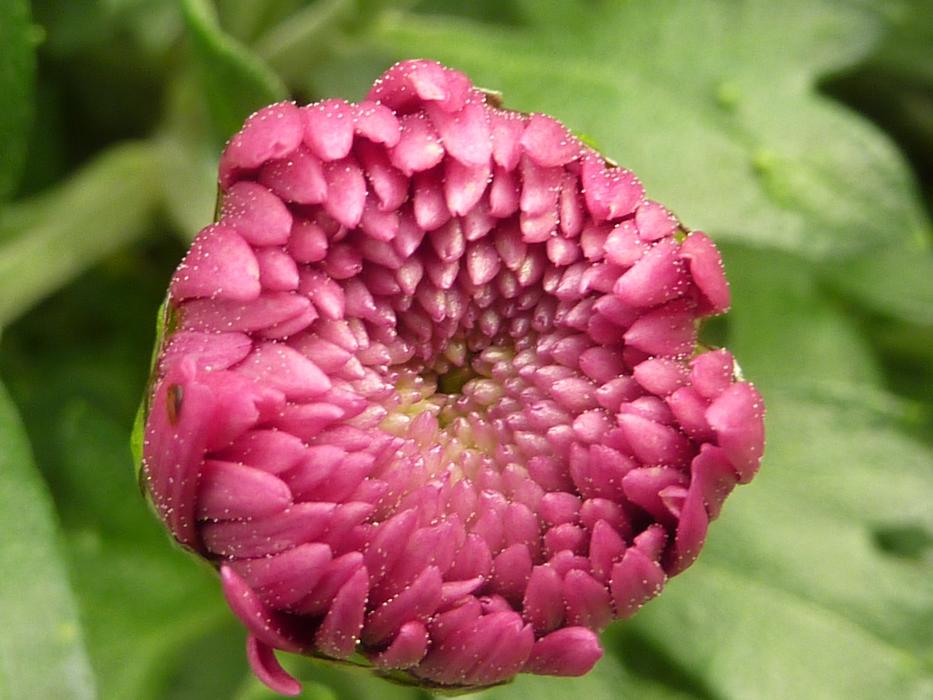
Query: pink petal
[[309, 419], [504, 193], [267, 310], [707, 271], [464, 185], [611, 193], [635, 580], [209, 350], [416, 603], [711, 373], [465, 133], [691, 531], [587, 601], [571, 651], [407, 649], [267, 668], [308, 241], [230, 491], [418, 148], [381, 225], [689, 408], [654, 222], [543, 605], [338, 634], [335, 576], [378, 123], [643, 486], [657, 277], [387, 182], [299, 178], [668, 331], [430, 204], [548, 142], [737, 418], [219, 265], [713, 475], [660, 376], [299, 524], [511, 570], [286, 578], [272, 132], [482, 262], [277, 270], [268, 626], [176, 439], [328, 128], [346, 191], [412, 81], [287, 370], [652, 442], [256, 214], [328, 296], [623, 246], [506, 131]]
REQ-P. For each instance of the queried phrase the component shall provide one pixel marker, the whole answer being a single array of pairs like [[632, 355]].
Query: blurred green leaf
[[779, 310], [237, 82], [713, 104], [906, 49], [793, 596], [247, 19], [187, 158], [102, 207], [896, 282], [17, 76], [41, 641], [301, 40], [211, 666]]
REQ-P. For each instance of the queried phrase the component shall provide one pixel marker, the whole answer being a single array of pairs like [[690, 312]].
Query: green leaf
[[236, 81], [779, 310], [17, 75], [714, 105], [108, 203], [304, 38], [187, 158], [796, 595], [40, 637], [896, 282]]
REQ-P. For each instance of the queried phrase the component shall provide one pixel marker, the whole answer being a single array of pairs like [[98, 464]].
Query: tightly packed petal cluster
[[431, 396]]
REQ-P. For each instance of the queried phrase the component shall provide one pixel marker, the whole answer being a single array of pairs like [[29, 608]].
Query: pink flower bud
[[431, 392]]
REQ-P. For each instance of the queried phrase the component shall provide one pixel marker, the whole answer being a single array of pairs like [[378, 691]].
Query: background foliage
[[799, 134]]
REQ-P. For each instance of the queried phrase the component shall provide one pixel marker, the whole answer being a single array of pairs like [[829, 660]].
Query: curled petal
[[268, 669]]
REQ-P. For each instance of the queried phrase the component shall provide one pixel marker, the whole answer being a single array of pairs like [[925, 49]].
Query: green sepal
[[166, 323]]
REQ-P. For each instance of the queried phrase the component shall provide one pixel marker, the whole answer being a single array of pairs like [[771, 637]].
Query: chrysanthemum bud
[[431, 392]]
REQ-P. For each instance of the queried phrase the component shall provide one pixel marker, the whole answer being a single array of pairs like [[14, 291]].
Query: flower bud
[[431, 394]]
